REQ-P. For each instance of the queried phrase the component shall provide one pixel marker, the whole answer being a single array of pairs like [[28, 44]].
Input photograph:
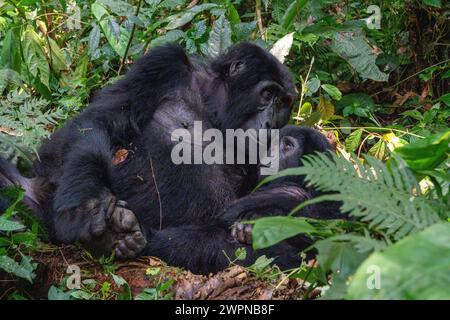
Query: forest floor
[[146, 278]]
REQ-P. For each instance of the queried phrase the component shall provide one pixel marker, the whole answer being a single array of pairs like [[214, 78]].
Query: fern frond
[[26, 121], [386, 198]]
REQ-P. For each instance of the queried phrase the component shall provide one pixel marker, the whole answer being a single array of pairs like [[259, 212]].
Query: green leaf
[[271, 230], [334, 92], [180, 19], [383, 197], [339, 256], [94, 40], [326, 108], [169, 37], [8, 76], [34, 55], [55, 293], [353, 48], [292, 12], [433, 3], [378, 150], [23, 270], [356, 103], [312, 85], [427, 153], [233, 14], [243, 30], [10, 54], [116, 35], [240, 254], [417, 267], [219, 37], [353, 140], [59, 62], [9, 225], [445, 99], [126, 291]]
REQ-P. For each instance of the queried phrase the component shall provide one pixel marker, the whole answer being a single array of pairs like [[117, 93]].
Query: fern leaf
[[384, 198]]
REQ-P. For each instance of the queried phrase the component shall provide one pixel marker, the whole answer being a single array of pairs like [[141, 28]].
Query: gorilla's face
[[259, 91], [296, 142]]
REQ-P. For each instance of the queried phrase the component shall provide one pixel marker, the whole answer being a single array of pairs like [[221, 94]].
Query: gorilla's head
[[296, 142], [252, 89]]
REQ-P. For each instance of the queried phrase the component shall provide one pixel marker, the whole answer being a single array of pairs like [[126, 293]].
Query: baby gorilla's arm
[[275, 200]]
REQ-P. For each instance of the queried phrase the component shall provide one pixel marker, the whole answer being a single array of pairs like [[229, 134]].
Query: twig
[[133, 29], [376, 128], [302, 94], [259, 18], [158, 194]]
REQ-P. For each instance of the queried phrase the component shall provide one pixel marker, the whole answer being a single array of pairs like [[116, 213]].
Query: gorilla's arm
[[209, 248], [278, 199], [76, 161]]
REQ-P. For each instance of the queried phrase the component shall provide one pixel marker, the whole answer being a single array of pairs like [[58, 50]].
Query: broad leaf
[[23, 270], [326, 108], [9, 225], [180, 19], [34, 55], [271, 230], [117, 36], [428, 153], [354, 48], [219, 37], [353, 140], [334, 92], [417, 267]]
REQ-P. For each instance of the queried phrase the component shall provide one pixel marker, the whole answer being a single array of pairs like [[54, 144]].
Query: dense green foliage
[[381, 93]]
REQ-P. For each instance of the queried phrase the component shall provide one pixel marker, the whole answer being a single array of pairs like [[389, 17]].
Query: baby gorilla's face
[[296, 142]]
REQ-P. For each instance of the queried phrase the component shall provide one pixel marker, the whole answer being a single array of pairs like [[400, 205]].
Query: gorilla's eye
[[267, 95], [288, 144]]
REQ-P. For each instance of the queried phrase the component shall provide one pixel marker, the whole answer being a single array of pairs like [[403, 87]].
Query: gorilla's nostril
[[267, 125]]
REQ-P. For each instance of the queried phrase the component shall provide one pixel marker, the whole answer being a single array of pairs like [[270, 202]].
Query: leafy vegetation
[[380, 92]]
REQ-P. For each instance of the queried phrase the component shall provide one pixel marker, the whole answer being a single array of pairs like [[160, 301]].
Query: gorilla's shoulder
[[164, 63]]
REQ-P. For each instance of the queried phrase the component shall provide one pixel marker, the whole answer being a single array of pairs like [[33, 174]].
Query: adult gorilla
[[84, 197]]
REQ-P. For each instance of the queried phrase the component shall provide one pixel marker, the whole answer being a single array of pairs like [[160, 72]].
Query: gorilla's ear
[[236, 67]]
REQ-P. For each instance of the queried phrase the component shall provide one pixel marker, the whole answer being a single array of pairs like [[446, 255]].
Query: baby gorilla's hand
[[242, 232]]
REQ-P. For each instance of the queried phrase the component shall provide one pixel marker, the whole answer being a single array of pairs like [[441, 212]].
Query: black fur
[[86, 198], [280, 196]]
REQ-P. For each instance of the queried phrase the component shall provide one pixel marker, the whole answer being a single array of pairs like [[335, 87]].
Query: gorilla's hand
[[112, 227], [242, 232]]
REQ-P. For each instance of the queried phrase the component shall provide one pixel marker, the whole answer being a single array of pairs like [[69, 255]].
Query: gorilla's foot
[[129, 239], [242, 232], [114, 228]]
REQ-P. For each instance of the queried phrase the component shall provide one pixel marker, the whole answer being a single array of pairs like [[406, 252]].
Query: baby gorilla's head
[[296, 142]]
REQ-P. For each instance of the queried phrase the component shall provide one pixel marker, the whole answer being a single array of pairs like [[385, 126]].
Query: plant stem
[[259, 18], [302, 93], [133, 29], [376, 128]]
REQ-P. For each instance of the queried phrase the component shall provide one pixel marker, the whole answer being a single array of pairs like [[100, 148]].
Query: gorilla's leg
[[205, 249], [84, 208]]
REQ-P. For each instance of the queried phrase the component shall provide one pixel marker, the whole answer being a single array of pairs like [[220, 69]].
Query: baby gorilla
[[279, 197]]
